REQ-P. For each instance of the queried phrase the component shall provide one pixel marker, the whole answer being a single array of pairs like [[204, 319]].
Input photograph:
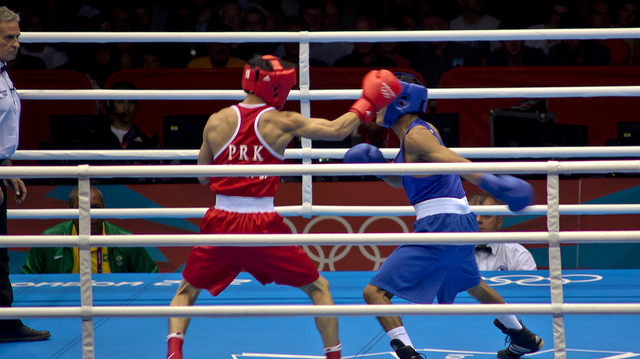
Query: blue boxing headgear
[[413, 98]]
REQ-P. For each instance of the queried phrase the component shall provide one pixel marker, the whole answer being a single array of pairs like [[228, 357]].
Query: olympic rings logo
[[337, 253], [538, 280]]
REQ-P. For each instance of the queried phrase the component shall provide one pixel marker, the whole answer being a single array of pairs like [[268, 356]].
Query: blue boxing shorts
[[419, 273]]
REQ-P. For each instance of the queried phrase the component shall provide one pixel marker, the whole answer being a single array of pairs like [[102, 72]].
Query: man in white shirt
[[498, 256]]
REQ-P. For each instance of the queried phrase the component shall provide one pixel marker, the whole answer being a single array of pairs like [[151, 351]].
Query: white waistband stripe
[[442, 205], [244, 204]]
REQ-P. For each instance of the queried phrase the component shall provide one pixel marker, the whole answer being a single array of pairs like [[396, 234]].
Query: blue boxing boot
[[522, 341]]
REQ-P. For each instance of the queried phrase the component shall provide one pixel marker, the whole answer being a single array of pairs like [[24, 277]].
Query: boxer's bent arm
[[422, 146], [205, 156], [393, 180]]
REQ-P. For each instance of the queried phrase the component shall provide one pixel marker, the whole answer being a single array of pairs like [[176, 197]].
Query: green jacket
[[60, 259]]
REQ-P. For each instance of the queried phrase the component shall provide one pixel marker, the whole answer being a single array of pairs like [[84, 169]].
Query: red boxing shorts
[[214, 268]]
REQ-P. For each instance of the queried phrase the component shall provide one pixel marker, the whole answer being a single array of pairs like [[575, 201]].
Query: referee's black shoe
[[24, 334], [405, 351], [522, 341]]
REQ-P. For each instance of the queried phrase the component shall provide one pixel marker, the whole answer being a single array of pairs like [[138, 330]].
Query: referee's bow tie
[[484, 247]]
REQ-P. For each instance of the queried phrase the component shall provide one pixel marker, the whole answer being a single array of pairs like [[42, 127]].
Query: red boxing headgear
[[272, 86]]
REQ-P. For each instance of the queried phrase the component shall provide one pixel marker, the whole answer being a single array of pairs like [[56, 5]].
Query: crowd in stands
[[430, 59]]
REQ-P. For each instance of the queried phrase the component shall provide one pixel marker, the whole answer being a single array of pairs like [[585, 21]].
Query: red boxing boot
[[174, 344]]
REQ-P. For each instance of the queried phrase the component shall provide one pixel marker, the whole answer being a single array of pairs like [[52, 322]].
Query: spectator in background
[[627, 16], [290, 7], [600, 17], [66, 15], [95, 60], [333, 19], [600, 13], [103, 259], [26, 62], [403, 17], [124, 133], [365, 54], [99, 60], [515, 52], [275, 17], [230, 14], [438, 57], [576, 52], [290, 51], [557, 8], [473, 17], [179, 54], [392, 50], [151, 15], [124, 20], [427, 7], [219, 53], [152, 57], [204, 12], [35, 22], [254, 19], [56, 15], [498, 256], [406, 15], [141, 9], [313, 13]]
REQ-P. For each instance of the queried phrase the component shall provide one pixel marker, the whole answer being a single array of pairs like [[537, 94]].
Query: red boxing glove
[[379, 88]]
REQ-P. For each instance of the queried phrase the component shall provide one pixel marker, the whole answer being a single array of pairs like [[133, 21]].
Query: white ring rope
[[335, 153], [553, 169], [319, 210], [331, 36], [355, 310], [267, 240], [434, 94], [342, 169]]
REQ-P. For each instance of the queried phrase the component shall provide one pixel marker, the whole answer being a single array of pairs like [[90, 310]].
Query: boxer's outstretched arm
[[422, 146]]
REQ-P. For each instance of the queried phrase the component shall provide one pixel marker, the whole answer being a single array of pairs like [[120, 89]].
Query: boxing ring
[[146, 307]]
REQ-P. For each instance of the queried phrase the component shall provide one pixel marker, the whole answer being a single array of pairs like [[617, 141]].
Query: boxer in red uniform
[[255, 131]]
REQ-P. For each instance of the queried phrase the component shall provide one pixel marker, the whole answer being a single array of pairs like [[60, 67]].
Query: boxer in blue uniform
[[421, 273]]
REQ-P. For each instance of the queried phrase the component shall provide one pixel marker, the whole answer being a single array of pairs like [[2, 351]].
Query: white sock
[[510, 321], [335, 348], [400, 333], [176, 335]]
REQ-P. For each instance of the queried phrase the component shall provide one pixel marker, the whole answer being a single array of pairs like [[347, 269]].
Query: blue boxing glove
[[364, 153], [513, 191]]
